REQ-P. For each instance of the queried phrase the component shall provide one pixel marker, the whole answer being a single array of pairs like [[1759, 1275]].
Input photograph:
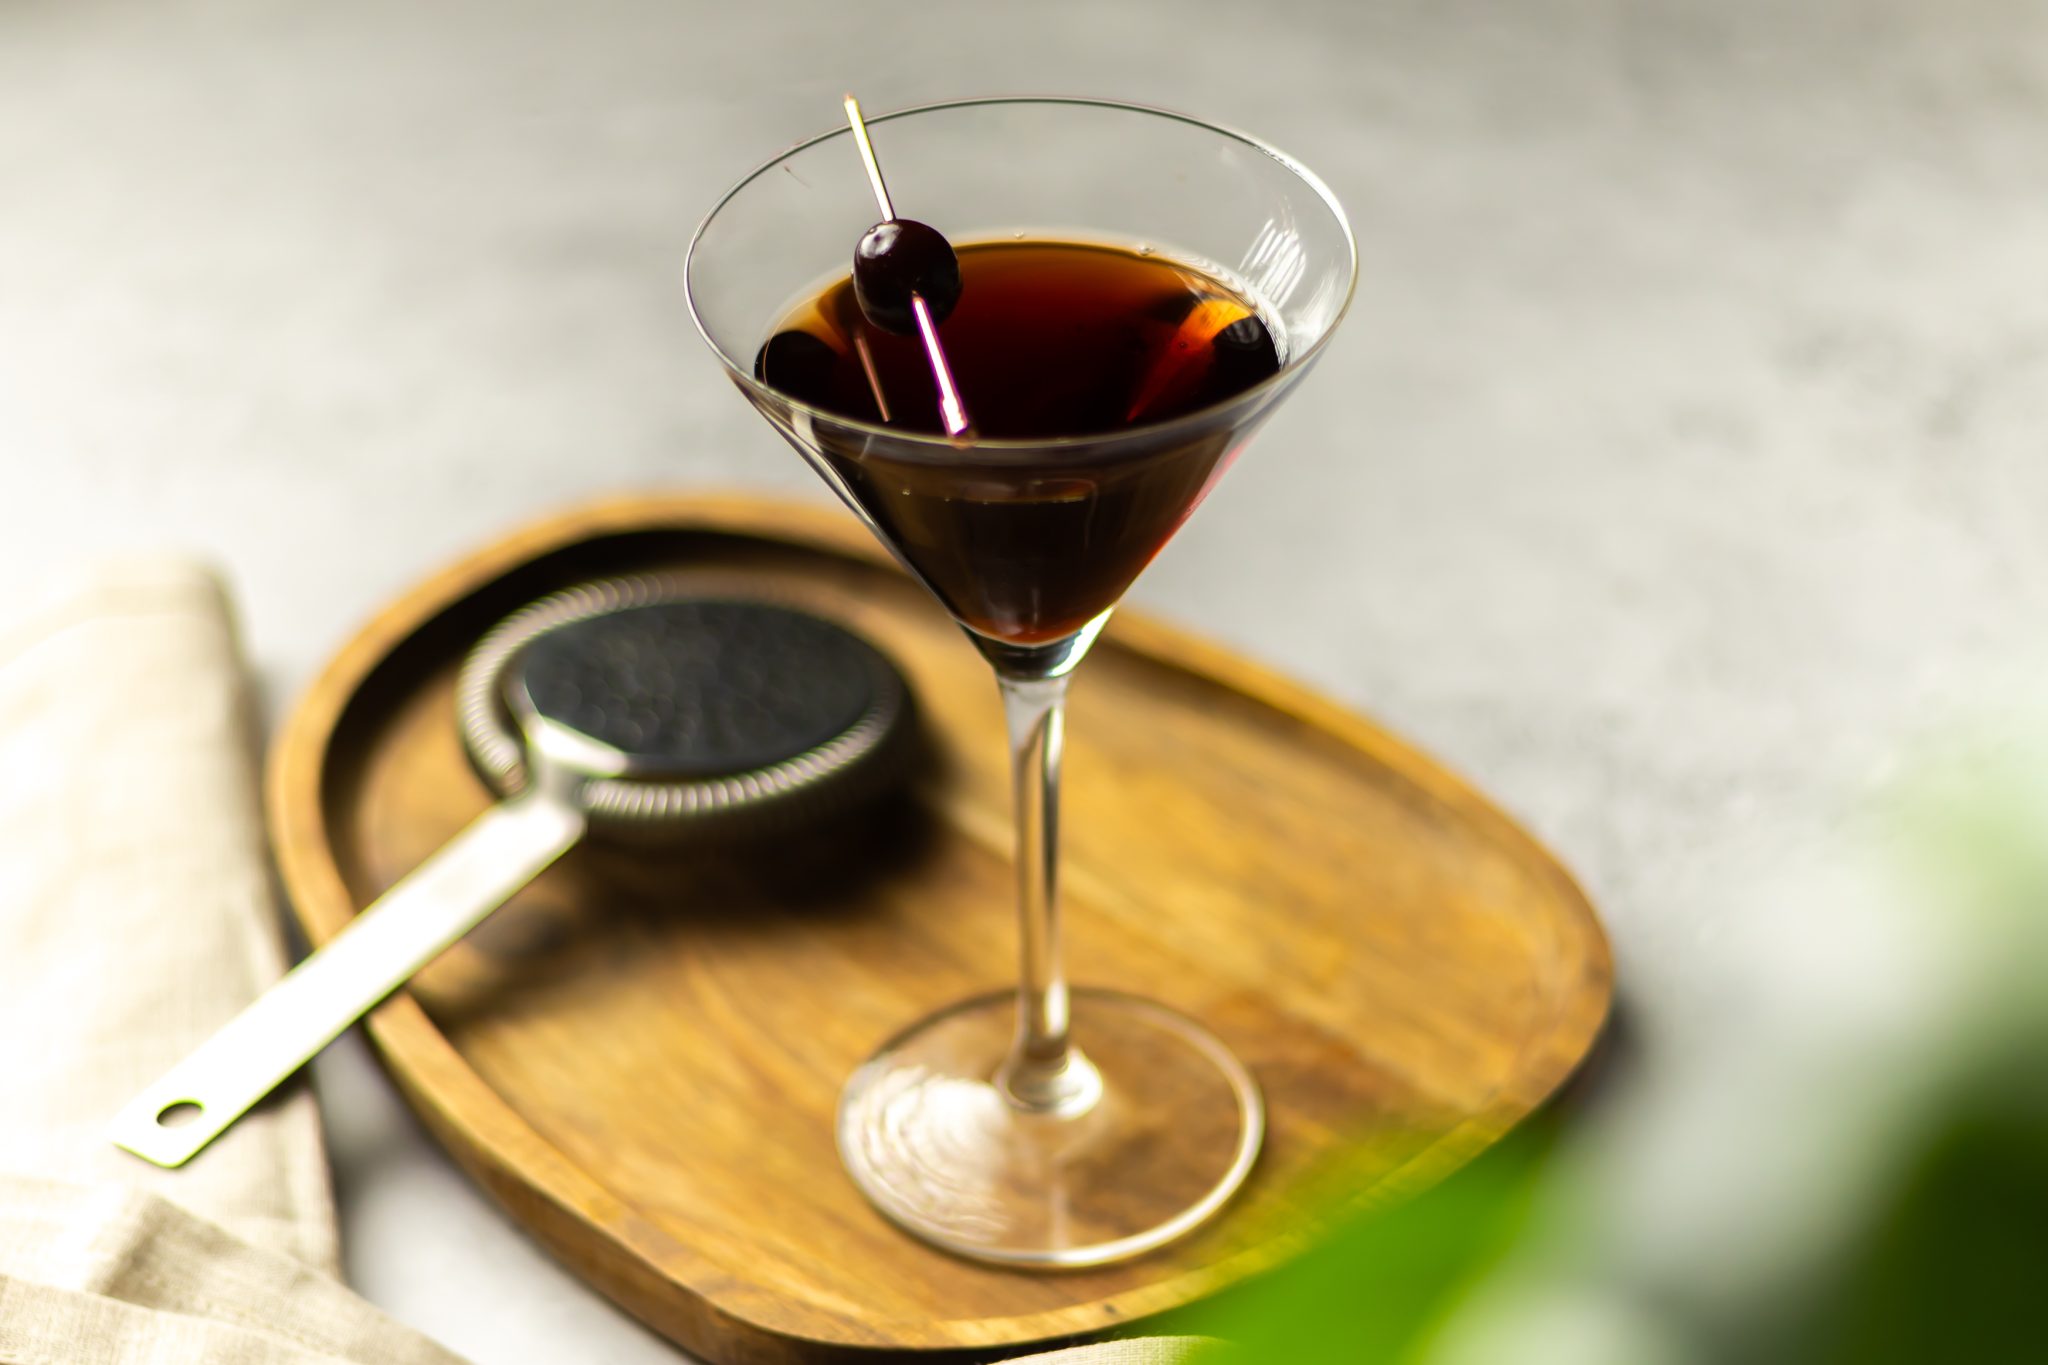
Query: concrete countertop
[[1678, 470]]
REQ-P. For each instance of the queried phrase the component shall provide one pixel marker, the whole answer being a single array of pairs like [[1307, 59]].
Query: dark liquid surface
[[1050, 339]]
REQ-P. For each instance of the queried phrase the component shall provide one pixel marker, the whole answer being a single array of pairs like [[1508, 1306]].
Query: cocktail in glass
[[1046, 1126]]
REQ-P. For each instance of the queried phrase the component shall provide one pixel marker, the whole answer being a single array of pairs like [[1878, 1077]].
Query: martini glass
[[1047, 1126]]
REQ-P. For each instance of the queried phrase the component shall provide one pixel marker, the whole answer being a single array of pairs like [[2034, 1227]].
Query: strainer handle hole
[[178, 1113]]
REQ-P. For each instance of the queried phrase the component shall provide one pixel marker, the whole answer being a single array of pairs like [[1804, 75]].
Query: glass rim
[[938, 444]]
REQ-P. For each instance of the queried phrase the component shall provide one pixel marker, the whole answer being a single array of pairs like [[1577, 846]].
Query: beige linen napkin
[[136, 917]]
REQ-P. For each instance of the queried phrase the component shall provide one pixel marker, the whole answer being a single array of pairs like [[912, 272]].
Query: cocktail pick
[[884, 251]]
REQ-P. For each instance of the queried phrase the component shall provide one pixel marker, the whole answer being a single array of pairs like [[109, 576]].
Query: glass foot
[[937, 1147]]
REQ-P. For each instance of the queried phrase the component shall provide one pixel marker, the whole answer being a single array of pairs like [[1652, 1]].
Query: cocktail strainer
[[632, 708]]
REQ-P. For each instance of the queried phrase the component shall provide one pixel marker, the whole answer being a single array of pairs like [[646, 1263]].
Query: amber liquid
[[1051, 341]]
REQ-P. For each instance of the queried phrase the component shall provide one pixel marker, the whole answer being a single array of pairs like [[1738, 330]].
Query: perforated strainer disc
[[723, 715]]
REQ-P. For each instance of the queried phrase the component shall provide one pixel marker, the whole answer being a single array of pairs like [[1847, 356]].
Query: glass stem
[[1044, 1072]]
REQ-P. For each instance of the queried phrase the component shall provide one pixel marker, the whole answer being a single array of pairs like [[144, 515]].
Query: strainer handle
[[405, 929]]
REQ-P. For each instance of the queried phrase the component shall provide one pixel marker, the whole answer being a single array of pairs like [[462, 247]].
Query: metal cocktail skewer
[[951, 410], [867, 367]]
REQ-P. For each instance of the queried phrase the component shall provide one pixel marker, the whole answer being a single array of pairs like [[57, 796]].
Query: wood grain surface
[[641, 1054]]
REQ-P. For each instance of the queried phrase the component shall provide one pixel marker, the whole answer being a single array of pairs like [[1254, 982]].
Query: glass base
[[932, 1141]]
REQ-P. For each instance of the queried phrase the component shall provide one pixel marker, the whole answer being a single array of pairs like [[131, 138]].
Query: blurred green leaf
[[1382, 1284], [1954, 1263]]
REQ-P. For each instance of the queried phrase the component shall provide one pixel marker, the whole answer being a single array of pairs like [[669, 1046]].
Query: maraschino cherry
[[907, 279], [900, 260]]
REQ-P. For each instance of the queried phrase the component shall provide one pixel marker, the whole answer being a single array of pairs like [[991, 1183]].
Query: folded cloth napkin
[[136, 917]]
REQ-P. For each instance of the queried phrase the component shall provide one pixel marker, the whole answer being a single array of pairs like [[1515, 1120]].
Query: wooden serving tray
[[641, 1054]]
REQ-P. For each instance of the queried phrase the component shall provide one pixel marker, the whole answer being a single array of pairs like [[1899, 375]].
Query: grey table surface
[[1678, 470]]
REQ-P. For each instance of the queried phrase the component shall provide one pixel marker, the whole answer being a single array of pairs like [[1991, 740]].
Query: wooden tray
[[640, 1055]]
